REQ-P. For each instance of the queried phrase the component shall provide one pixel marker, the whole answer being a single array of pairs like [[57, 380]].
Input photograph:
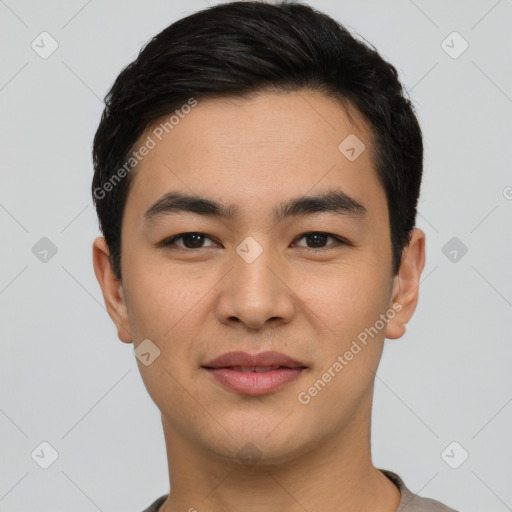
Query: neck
[[336, 474]]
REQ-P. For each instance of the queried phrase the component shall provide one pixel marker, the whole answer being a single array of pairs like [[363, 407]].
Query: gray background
[[67, 380]]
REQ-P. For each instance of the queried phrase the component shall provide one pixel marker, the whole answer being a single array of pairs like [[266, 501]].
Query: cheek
[[348, 308], [164, 308], [347, 299], [161, 298]]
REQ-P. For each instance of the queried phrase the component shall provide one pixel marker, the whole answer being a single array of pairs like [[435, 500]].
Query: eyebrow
[[334, 201]]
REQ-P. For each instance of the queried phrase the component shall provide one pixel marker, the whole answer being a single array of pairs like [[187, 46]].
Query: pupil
[[318, 238], [194, 245]]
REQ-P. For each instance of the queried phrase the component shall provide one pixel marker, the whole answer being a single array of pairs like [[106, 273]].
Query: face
[[264, 269]]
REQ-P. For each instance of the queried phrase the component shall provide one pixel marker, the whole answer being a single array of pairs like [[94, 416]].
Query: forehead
[[254, 152]]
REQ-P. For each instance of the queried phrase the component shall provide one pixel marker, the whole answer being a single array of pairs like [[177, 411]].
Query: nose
[[256, 293]]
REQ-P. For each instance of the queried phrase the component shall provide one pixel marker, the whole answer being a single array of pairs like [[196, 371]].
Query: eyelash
[[169, 242]]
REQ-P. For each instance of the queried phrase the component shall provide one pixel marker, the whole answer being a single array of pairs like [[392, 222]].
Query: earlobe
[[396, 326], [111, 289], [406, 285]]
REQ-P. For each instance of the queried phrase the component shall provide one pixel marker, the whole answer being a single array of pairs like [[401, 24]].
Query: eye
[[318, 239], [195, 240], [189, 241]]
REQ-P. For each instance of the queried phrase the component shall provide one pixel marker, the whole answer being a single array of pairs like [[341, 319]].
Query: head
[[288, 147]]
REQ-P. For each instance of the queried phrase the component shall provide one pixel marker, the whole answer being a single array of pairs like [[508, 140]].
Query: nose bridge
[[253, 291], [252, 274]]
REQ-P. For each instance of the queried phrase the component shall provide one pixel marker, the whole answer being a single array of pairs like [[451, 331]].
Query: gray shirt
[[409, 502]]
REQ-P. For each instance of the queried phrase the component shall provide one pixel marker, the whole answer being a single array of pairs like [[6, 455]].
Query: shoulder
[[410, 502], [156, 504]]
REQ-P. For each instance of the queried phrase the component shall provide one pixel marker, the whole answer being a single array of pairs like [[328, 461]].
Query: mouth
[[256, 369], [254, 374]]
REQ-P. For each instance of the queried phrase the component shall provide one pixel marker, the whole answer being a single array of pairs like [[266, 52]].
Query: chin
[[271, 446]]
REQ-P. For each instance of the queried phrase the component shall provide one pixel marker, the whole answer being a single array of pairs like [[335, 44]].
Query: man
[[257, 171]]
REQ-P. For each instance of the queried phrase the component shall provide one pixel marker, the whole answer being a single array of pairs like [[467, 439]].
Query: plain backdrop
[[443, 391]]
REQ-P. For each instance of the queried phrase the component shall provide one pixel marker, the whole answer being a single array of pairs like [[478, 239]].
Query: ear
[[405, 292], [111, 288]]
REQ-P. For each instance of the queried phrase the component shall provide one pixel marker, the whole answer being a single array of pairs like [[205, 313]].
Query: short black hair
[[242, 48]]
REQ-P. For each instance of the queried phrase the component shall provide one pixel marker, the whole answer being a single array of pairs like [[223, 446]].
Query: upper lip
[[245, 359]]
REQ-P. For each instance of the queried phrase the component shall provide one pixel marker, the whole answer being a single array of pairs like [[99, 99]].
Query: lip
[[239, 358], [254, 374]]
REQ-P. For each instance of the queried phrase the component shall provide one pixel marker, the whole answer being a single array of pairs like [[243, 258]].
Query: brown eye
[[189, 241], [317, 240]]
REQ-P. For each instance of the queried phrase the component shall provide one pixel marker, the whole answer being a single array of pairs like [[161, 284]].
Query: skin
[[195, 304]]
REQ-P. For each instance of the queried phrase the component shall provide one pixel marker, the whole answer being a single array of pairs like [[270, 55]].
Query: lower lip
[[255, 383]]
